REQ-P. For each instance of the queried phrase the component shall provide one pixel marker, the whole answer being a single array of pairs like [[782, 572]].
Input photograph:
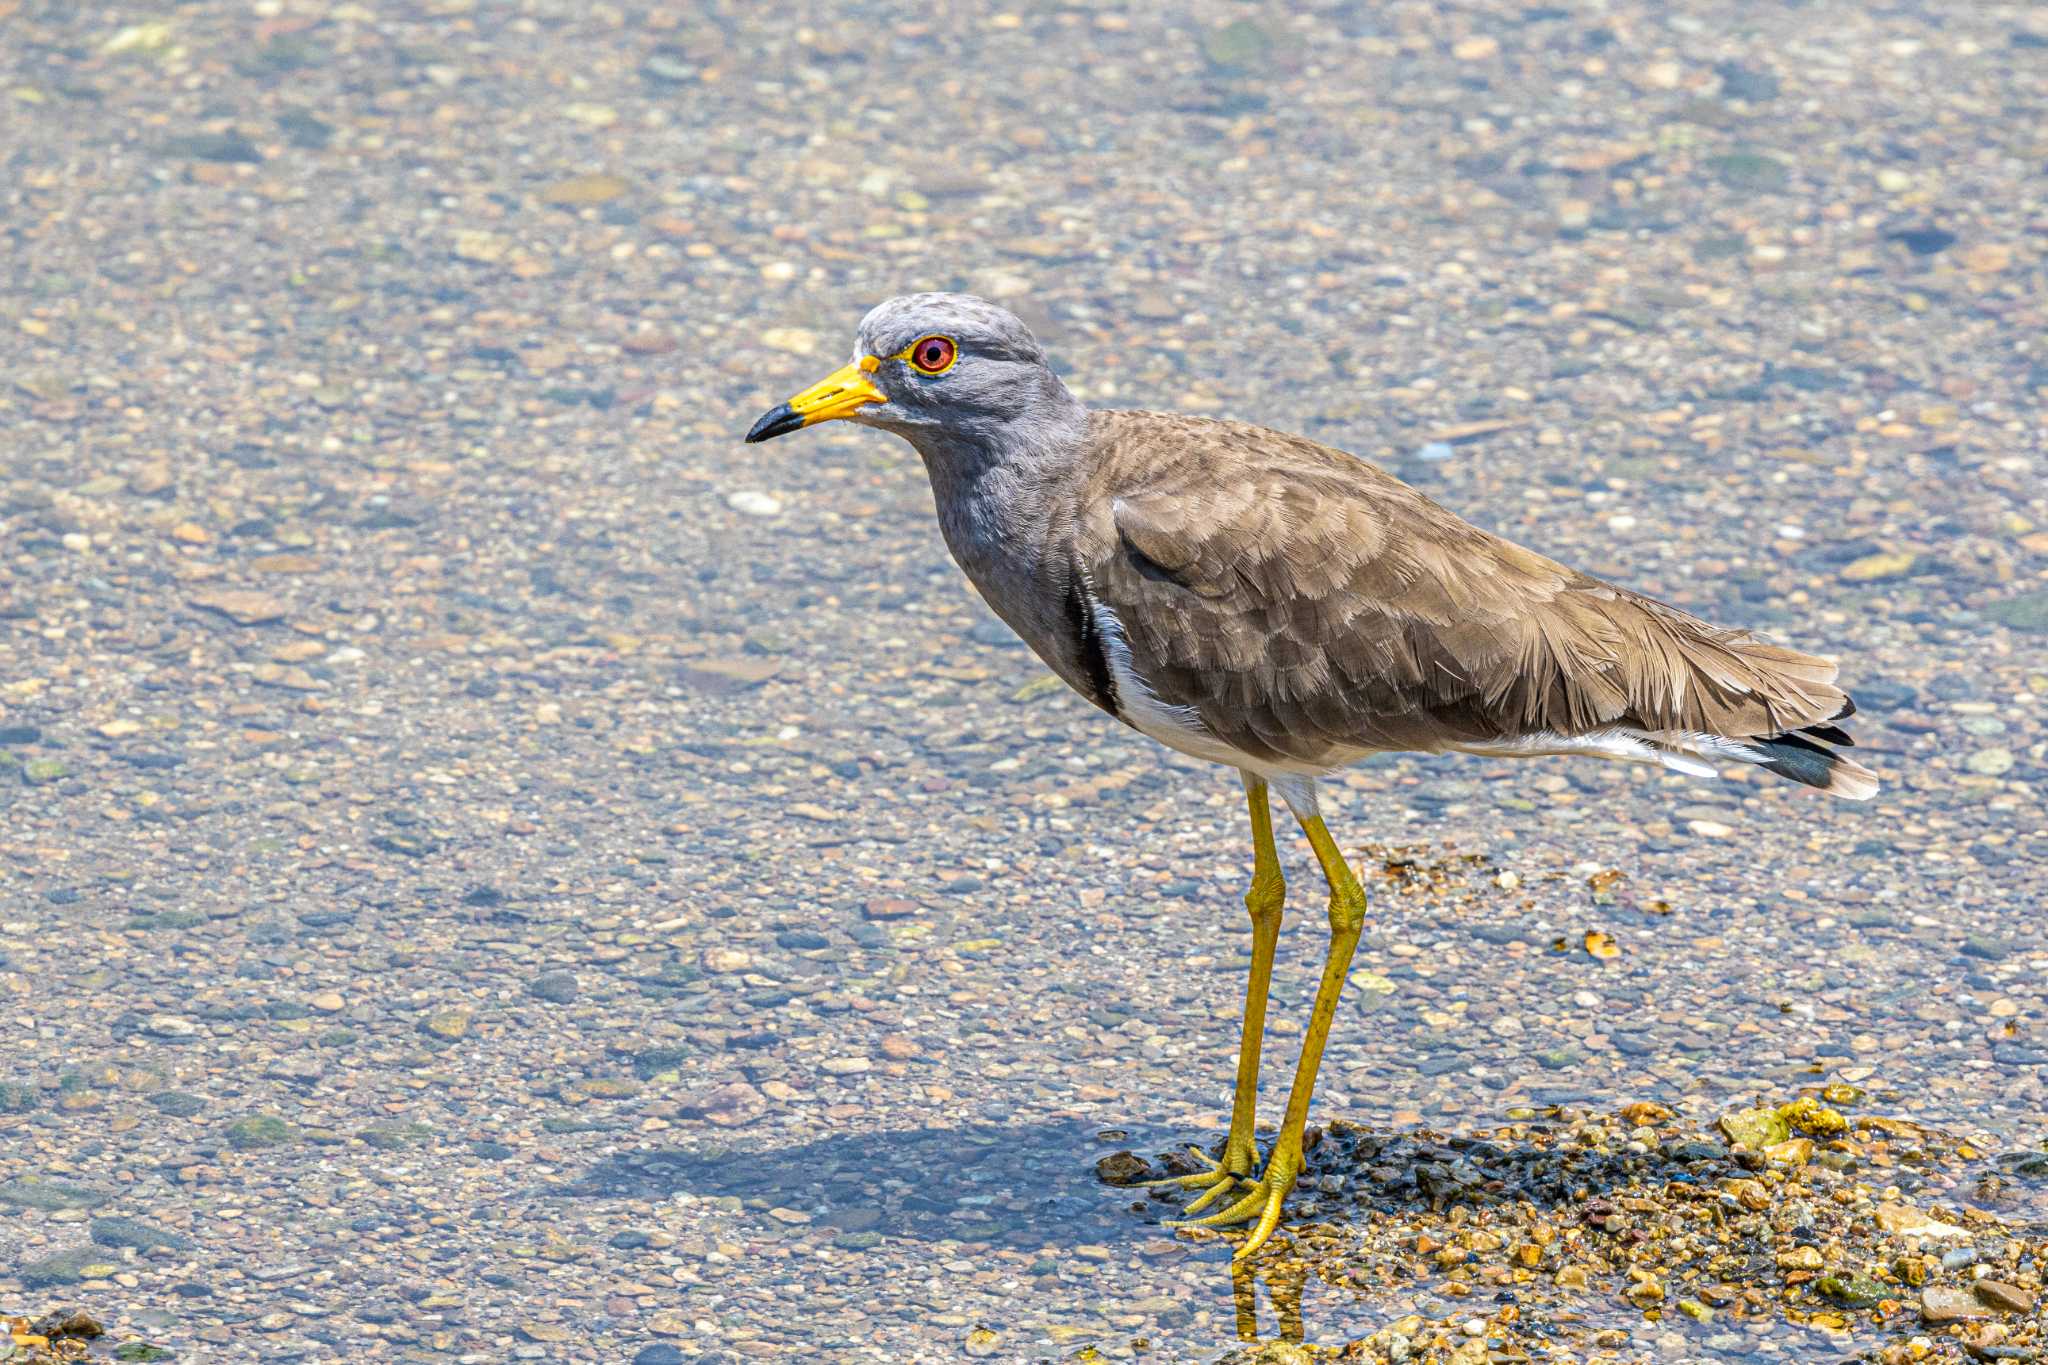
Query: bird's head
[[928, 364]]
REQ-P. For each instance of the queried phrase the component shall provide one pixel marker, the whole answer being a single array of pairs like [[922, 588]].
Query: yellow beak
[[840, 394]]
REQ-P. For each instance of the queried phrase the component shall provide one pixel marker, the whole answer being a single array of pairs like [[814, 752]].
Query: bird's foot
[[1219, 1179], [1262, 1201]]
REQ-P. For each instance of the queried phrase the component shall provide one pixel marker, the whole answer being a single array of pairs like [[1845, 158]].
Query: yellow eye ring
[[930, 355]]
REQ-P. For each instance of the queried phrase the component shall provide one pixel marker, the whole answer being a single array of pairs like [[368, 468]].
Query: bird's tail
[[1807, 754]]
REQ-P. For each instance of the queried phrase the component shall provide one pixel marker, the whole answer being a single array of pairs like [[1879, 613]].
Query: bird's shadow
[[1021, 1185], [1037, 1184]]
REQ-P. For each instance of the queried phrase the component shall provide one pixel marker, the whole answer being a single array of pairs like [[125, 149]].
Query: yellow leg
[[1268, 893], [1283, 1167]]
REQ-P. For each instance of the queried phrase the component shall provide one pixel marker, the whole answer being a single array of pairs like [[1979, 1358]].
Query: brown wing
[[1302, 603]]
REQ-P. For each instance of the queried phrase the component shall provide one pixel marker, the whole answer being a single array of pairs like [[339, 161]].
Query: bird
[[1277, 606]]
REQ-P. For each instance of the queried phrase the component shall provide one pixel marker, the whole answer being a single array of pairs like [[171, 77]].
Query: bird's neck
[[1034, 440], [1003, 491]]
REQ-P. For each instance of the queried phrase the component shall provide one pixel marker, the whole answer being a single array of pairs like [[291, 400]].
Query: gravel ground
[[492, 868]]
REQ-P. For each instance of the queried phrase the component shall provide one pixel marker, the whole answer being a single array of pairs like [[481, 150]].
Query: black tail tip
[[1800, 759]]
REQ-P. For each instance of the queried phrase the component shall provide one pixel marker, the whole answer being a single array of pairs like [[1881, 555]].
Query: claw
[[1247, 1207], [1198, 1179], [1268, 1220], [1263, 1201], [1225, 1182], [1213, 1183]]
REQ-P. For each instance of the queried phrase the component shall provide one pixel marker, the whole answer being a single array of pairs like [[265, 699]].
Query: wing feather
[[1306, 605]]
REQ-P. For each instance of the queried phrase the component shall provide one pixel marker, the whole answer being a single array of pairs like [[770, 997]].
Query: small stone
[[449, 1024], [1879, 567], [228, 148], [1990, 762], [754, 504], [48, 1196], [67, 1324], [133, 1232], [728, 1105], [1791, 1152], [726, 961], [726, 677], [1906, 1221], [2027, 612], [1853, 1291], [256, 1133], [545, 1332], [888, 909], [796, 341], [1123, 1168], [1236, 46], [242, 606], [1986, 258], [1750, 171], [1940, 1305], [327, 1002], [659, 1353], [557, 988], [1755, 1129], [670, 1322], [584, 190], [846, 1066], [38, 772], [2006, 1298], [1800, 1258], [1477, 48], [480, 247], [169, 1026], [68, 1267], [982, 1342], [1986, 947]]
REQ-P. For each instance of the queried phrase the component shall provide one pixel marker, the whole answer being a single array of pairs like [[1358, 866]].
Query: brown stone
[[888, 908], [727, 1105], [242, 606], [722, 677], [1939, 1305], [2006, 1298]]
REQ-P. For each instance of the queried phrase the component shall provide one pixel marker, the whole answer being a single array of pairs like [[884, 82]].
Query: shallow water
[[649, 889]]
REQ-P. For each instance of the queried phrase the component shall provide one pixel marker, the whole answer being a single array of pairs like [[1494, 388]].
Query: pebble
[[754, 503], [557, 988], [1942, 1305], [449, 1025], [2006, 1298], [1991, 762], [133, 1232]]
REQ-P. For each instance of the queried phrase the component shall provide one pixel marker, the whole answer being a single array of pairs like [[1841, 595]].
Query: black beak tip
[[777, 421]]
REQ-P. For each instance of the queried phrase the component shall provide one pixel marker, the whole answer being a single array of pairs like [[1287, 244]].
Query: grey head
[[953, 374]]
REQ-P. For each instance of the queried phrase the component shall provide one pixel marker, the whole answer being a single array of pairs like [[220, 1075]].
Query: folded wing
[[1308, 607]]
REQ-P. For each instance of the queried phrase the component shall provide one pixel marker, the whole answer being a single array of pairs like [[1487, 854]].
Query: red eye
[[933, 355]]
